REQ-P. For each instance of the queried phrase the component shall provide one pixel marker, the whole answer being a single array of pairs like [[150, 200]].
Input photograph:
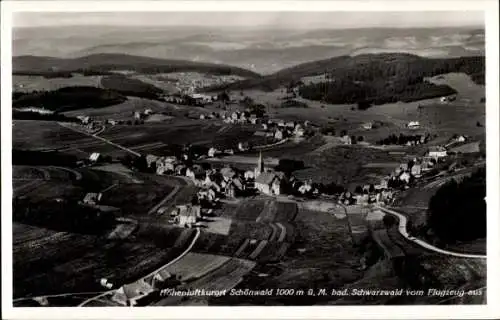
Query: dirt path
[[100, 138]]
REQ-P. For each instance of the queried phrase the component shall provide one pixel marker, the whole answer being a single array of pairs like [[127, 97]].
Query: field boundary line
[[162, 202], [101, 138]]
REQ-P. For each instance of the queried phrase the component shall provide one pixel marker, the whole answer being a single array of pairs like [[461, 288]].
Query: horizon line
[[475, 26]]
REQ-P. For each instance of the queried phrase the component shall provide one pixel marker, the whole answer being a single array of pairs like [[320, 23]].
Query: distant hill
[[104, 63], [377, 78], [262, 50]]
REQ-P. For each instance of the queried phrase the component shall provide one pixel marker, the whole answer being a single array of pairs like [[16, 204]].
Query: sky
[[285, 20]]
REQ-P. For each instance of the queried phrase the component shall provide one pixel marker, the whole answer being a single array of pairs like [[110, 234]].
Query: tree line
[[68, 98], [62, 215], [457, 212]]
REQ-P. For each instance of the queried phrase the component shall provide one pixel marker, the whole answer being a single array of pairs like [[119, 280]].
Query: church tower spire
[[260, 165]]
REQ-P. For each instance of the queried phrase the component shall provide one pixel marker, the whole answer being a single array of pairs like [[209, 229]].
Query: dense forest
[[28, 115], [103, 63], [457, 212], [369, 78], [68, 98], [63, 216], [131, 87], [43, 158], [375, 92]]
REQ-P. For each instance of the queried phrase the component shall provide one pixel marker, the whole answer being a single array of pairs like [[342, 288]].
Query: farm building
[[405, 176], [186, 214], [253, 119], [437, 152], [278, 135], [413, 125], [84, 119], [290, 124], [416, 170], [129, 294], [346, 140], [447, 99], [94, 156], [92, 198], [367, 126]]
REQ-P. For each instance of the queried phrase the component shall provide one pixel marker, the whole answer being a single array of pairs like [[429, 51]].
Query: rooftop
[[265, 178]]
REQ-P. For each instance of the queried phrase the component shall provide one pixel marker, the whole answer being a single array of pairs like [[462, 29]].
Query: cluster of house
[[279, 129], [189, 82], [191, 98], [400, 177], [35, 109], [240, 117], [92, 124], [214, 184]]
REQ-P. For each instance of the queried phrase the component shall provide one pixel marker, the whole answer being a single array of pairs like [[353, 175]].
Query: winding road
[[188, 249], [403, 221]]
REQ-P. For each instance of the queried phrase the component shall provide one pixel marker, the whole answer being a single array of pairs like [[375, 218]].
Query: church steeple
[[260, 165]]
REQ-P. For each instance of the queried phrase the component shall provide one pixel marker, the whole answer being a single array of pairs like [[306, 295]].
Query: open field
[[39, 83], [468, 90], [321, 257], [50, 135], [346, 165], [125, 110], [66, 262]]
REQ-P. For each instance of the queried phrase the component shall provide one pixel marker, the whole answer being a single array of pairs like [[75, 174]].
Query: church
[[267, 182]]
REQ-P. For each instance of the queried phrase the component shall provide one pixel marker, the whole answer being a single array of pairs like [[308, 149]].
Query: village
[[216, 185]]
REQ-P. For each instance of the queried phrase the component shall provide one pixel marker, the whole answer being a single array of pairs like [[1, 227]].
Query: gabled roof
[[265, 178], [436, 149]]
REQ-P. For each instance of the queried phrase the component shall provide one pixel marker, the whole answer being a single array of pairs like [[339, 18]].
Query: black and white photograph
[[248, 158]]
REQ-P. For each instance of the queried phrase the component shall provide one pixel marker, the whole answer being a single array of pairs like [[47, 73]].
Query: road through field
[[402, 229], [101, 138]]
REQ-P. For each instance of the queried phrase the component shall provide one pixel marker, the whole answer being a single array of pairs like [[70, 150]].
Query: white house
[[92, 198], [437, 152], [416, 170], [346, 139], [249, 174], [190, 173], [84, 119], [405, 176], [460, 139], [94, 156], [211, 152], [187, 214], [278, 135], [413, 125], [367, 126]]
